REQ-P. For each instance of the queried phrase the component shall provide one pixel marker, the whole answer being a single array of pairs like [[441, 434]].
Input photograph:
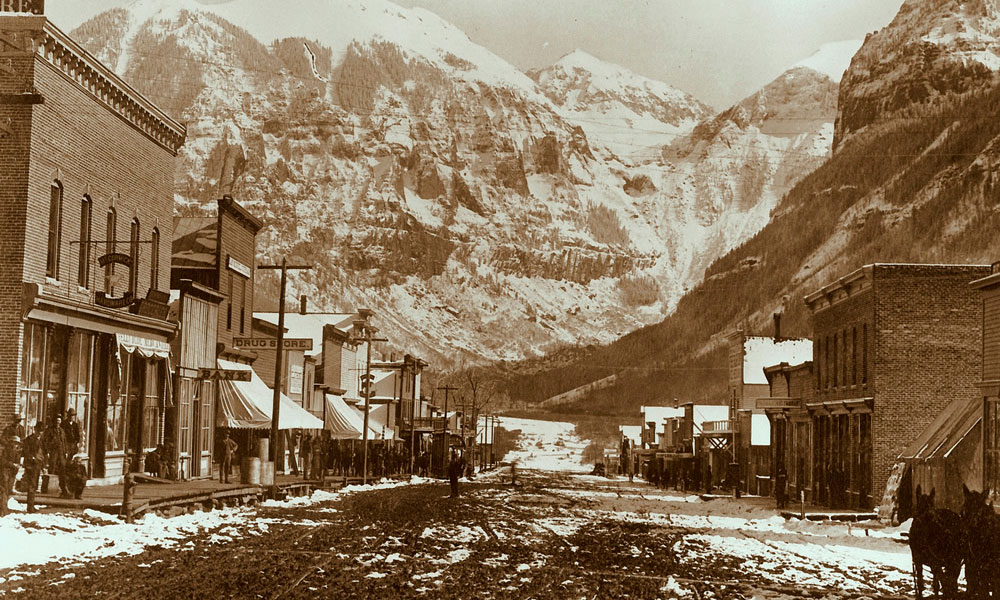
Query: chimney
[[302, 305], [777, 325]]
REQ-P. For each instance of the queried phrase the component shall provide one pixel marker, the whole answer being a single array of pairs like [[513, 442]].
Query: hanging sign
[[261, 343], [115, 258], [224, 375]]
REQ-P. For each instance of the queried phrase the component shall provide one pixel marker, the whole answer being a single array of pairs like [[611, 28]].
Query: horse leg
[[918, 579]]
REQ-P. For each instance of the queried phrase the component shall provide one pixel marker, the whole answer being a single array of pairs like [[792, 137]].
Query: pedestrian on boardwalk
[[229, 448], [9, 450], [71, 427], [708, 479], [16, 428], [54, 444], [33, 459], [76, 477], [454, 470], [780, 487], [318, 469], [293, 442], [305, 452]]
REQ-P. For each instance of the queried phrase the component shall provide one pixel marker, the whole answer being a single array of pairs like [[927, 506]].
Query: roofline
[[986, 282], [159, 126], [228, 204], [860, 273]]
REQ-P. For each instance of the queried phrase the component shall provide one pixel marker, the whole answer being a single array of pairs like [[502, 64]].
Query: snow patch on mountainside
[[832, 59], [630, 115]]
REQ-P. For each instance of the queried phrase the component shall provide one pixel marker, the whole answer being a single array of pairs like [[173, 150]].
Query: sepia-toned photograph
[[499, 299]]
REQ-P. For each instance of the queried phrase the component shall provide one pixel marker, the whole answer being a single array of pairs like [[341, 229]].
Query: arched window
[[55, 230], [133, 252], [111, 242], [154, 260], [86, 211]]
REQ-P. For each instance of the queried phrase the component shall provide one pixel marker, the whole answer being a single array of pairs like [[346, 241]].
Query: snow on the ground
[[39, 538], [546, 445]]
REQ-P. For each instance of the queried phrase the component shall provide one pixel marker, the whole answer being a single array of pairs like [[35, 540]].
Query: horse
[[936, 540], [982, 527]]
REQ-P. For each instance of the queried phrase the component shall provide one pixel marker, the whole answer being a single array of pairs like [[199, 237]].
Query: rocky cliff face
[[931, 51], [428, 179]]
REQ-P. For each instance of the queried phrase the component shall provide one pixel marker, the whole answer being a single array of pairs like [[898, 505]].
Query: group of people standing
[[315, 456], [44, 452]]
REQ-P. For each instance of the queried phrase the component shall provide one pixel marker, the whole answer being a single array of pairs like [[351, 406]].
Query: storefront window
[[115, 440], [35, 337], [207, 397], [79, 382], [185, 415], [152, 406]]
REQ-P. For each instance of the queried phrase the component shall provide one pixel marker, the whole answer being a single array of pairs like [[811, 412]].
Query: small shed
[[947, 455]]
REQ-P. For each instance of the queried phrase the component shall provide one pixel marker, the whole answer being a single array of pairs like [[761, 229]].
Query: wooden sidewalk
[[152, 494]]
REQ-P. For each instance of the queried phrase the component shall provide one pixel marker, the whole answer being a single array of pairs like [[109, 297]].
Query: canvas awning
[[946, 432], [342, 421], [248, 404]]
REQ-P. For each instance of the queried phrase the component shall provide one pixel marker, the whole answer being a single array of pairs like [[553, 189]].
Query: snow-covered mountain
[[629, 115], [430, 180]]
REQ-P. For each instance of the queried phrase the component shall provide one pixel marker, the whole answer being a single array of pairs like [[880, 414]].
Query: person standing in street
[[229, 448], [454, 470], [54, 445]]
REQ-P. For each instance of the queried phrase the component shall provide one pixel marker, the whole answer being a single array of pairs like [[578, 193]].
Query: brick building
[[989, 384], [86, 189], [894, 345]]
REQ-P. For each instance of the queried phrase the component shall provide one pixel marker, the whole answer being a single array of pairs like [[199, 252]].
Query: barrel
[[266, 473], [262, 449], [253, 471]]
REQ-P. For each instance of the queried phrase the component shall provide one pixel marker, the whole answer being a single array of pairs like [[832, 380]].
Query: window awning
[[946, 432], [147, 347], [247, 404], [341, 420]]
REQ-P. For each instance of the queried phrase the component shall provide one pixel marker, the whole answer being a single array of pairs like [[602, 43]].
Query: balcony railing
[[718, 427]]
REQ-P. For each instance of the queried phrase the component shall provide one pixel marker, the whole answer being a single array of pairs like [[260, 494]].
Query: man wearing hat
[[9, 450], [16, 428], [71, 427]]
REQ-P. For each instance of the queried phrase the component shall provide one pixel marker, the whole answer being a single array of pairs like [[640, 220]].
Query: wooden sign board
[[304, 344], [224, 375]]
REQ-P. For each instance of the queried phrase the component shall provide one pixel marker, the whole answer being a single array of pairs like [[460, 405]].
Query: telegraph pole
[[284, 267], [444, 446], [369, 330]]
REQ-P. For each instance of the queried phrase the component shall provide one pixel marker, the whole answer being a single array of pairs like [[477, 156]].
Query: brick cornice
[[55, 48]]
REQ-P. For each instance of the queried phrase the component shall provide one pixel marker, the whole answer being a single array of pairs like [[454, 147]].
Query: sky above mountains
[[718, 50]]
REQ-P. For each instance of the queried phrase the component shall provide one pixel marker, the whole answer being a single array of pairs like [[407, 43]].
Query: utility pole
[[368, 330], [413, 415], [279, 353], [447, 442]]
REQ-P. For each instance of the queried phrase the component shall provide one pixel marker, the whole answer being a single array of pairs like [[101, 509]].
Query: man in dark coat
[[228, 450], [454, 471], [305, 454], [74, 435], [76, 477], [33, 460], [55, 447], [9, 449]]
